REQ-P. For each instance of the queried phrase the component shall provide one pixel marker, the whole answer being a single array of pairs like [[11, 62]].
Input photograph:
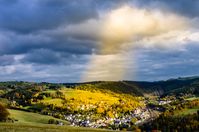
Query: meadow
[[12, 127], [33, 122], [23, 117]]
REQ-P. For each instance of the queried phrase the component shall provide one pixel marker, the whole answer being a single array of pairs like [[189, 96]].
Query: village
[[136, 117]]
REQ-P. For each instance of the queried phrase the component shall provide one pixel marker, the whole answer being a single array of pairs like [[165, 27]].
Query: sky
[[97, 40]]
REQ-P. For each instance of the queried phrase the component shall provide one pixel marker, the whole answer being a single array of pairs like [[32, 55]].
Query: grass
[[49, 91], [31, 118], [186, 112], [189, 111], [55, 101], [2, 92], [192, 98], [12, 127]]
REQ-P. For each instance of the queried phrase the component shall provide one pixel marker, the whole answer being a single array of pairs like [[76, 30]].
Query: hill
[[189, 85]]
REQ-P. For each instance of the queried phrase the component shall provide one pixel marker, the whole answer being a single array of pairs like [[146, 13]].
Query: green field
[[33, 122], [32, 118], [186, 112], [12, 127], [192, 98]]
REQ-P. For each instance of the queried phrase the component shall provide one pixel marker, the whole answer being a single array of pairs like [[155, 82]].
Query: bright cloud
[[124, 25]]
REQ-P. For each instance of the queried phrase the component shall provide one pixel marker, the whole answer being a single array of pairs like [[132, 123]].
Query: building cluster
[[126, 120]]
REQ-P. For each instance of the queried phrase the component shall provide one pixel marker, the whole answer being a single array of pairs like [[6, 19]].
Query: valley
[[122, 105]]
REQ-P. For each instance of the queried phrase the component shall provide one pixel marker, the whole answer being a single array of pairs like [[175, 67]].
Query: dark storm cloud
[[188, 8], [6, 60], [161, 65], [31, 15], [12, 43], [50, 57], [42, 56]]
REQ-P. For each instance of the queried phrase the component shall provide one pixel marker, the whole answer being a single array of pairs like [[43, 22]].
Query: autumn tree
[[3, 113]]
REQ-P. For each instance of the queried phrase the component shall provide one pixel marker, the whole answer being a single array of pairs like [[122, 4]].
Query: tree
[[3, 113], [100, 110], [110, 114], [51, 121], [133, 120]]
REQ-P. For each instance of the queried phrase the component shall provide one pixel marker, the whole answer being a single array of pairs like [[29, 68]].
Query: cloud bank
[[56, 41]]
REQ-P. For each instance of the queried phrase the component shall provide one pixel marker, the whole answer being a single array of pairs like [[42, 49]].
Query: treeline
[[188, 123], [173, 86], [175, 120]]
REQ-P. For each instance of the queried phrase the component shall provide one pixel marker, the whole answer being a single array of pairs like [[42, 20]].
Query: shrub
[[51, 121]]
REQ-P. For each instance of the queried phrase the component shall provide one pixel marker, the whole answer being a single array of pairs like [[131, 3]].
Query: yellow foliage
[[100, 110], [76, 99], [110, 114]]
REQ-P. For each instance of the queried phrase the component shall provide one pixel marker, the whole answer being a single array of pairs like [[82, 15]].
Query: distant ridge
[[181, 85]]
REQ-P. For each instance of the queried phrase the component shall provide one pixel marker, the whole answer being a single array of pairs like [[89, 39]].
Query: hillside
[[120, 87], [141, 88], [178, 86], [31, 118], [136, 88], [34, 122]]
